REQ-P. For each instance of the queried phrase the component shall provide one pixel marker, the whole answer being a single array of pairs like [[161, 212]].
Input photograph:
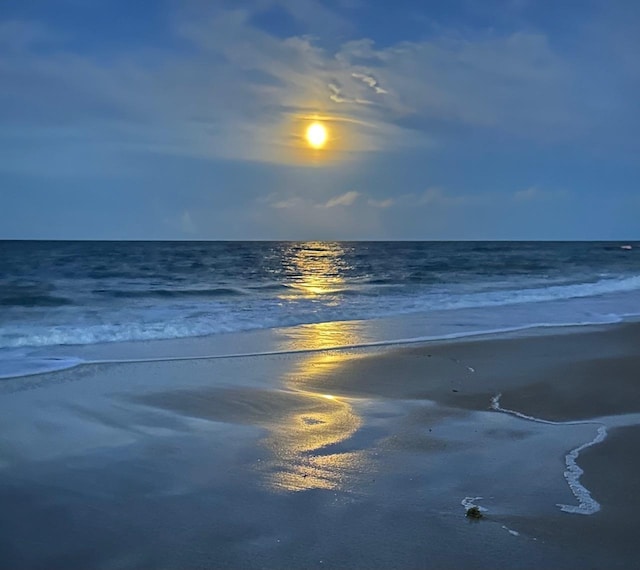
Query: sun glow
[[316, 135]]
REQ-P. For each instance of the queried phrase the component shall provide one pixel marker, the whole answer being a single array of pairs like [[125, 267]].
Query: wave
[[269, 287], [462, 295], [27, 365], [125, 332], [14, 367], [248, 312], [541, 294], [170, 293], [35, 301], [30, 295]]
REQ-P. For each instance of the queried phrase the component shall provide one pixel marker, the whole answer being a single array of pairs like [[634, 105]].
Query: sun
[[316, 135]]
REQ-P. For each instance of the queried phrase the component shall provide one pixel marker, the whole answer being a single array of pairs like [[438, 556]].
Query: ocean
[[64, 303]]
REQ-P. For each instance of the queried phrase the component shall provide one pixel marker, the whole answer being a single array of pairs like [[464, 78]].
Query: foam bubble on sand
[[469, 502], [587, 505], [495, 405]]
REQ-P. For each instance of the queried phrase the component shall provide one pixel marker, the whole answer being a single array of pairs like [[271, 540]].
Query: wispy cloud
[[371, 82], [242, 93], [535, 193], [386, 203], [345, 199], [437, 196], [338, 97], [212, 101], [288, 203], [344, 216]]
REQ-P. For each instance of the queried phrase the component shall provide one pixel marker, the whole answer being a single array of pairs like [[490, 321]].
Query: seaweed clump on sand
[[474, 513]]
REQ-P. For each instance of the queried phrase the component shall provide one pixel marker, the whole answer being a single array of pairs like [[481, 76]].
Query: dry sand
[[337, 459]]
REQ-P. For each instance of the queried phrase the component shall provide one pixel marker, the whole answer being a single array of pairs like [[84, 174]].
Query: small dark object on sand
[[474, 513]]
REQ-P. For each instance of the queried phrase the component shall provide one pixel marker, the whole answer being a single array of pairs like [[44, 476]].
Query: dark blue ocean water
[[66, 294]]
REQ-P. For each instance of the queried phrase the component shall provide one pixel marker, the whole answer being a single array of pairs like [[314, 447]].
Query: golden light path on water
[[308, 444], [315, 268]]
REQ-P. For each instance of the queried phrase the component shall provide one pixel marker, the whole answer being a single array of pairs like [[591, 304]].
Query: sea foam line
[[587, 505], [390, 343]]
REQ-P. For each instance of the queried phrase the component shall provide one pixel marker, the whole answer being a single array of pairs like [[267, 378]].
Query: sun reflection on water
[[311, 446], [316, 271], [315, 268]]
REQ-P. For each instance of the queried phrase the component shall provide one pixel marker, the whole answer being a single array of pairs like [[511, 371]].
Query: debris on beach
[[474, 513]]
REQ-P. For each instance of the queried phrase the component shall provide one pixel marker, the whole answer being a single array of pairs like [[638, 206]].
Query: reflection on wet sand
[[310, 446], [306, 446]]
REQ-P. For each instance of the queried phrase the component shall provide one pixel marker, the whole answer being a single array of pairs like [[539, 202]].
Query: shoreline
[[279, 340], [329, 458]]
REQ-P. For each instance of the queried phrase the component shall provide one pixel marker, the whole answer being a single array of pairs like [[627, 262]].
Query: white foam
[[495, 405], [15, 367], [587, 505], [550, 293], [450, 307], [26, 366], [470, 502]]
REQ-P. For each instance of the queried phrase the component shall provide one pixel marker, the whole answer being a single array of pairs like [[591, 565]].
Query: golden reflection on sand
[[310, 447], [307, 446]]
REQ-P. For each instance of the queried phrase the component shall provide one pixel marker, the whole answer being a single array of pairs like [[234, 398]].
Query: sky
[[445, 120]]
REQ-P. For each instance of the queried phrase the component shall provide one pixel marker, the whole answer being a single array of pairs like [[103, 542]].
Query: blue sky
[[514, 119]]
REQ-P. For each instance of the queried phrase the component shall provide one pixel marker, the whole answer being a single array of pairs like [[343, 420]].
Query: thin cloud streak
[[345, 199]]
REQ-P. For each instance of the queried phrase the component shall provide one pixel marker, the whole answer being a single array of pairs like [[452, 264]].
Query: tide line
[[587, 505]]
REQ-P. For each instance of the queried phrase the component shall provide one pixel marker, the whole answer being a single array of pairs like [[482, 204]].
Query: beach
[[351, 458]]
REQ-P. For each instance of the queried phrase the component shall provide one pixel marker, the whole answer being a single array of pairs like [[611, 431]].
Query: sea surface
[[63, 303]]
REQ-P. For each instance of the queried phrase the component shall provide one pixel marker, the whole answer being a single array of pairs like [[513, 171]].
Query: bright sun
[[316, 135]]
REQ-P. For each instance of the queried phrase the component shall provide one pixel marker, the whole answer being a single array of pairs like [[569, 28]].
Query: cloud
[[345, 199], [311, 217], [287, 203], [386, 203], [240, 93], [437, 196], [534, 193], [514, 83], [527, 194], [338, 97], [316, 16], [371, 82], [306, 202]]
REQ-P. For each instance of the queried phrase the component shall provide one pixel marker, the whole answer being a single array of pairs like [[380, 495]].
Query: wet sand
[[336, 459]]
